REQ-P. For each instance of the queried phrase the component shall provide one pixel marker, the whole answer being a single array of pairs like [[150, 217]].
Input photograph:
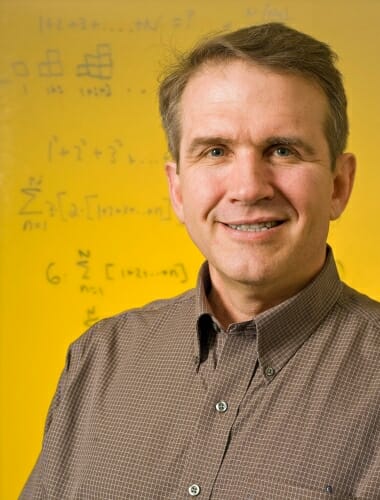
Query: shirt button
[[194, 490], [221, 406], [269, 371]]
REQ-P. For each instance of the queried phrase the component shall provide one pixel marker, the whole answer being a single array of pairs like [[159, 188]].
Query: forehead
[[252, 95], [245, 102], [230, 69]]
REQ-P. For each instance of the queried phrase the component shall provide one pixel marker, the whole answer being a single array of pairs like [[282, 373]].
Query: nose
[[250, 179]]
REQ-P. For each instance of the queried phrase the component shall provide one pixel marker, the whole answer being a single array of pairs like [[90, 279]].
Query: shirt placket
[[225, 393]]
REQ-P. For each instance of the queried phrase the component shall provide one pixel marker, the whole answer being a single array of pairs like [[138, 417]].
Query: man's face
[[255, 186]]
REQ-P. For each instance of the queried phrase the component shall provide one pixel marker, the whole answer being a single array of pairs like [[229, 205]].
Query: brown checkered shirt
[[158, 403]]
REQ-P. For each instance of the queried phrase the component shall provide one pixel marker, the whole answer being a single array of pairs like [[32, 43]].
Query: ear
[[343, 178], [175, 190]]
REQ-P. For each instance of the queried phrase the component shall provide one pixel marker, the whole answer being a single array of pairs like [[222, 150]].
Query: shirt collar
[[283, 329], [205, 320]]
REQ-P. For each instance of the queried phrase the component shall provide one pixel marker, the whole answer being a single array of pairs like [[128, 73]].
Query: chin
[[248, 276]]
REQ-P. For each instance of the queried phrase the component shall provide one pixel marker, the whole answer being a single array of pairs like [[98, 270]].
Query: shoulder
[[134, 326], [360, 305], [118, 343], [158, 310], [360, 316]]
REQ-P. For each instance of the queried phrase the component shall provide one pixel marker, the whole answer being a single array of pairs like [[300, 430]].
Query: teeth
[[264, 226]]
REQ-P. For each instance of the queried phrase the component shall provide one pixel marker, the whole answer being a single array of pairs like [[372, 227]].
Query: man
[[263, 382]]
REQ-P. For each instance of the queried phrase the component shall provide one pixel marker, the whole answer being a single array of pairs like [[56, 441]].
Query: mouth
[[255, 228]]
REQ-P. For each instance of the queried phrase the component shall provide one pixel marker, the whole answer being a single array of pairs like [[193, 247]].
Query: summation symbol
[[97, 65], [52, 66]]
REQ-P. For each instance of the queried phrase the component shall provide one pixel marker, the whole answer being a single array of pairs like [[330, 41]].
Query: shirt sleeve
[[34, 489]]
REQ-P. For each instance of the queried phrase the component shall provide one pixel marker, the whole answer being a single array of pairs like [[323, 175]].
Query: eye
[[216, 152], [282, 151]]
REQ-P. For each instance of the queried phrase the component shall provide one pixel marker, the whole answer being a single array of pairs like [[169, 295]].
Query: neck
[[238, 302], [234, 307]]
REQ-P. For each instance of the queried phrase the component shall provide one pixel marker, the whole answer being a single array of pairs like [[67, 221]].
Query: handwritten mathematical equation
[[36, 210], [84, 269], [48, 24], [85, 151], [91, 277], [186, 20], [82, 150]]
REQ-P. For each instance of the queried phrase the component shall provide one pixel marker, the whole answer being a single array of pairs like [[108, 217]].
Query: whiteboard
[[87, 229]]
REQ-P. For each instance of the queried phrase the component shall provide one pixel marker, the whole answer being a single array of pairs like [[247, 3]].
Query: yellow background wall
[[86, 227]]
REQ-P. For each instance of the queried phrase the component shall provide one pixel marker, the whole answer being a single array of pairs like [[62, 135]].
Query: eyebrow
[[290, 141], [204, 141]]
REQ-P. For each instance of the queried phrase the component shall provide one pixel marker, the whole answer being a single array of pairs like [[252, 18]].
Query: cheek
[[309, 194], [200, 193]]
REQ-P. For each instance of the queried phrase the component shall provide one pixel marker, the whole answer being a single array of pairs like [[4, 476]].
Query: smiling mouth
[[255, 228]]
